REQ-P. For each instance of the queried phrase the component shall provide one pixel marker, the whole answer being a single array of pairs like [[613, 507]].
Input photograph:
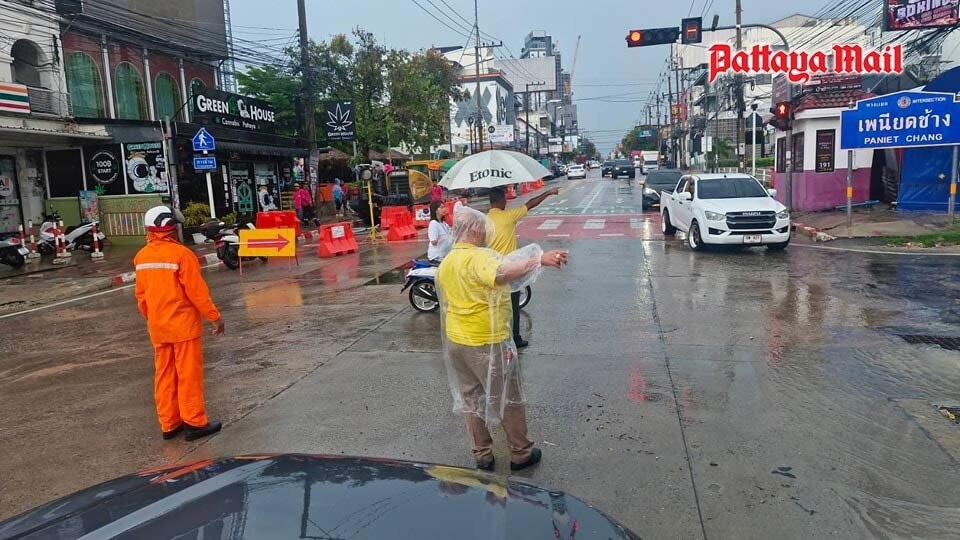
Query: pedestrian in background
[[338, 196], [303, 203], [436, 192], [474, 284], [438, 233], [504, 239], [172, 296]]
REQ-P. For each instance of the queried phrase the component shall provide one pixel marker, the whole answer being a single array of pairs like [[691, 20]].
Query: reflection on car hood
[[760, 204], [305, 496]]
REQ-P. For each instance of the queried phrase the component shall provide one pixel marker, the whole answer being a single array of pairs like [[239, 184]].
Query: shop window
[[85, 86], [167, 96], [128, 87], [798, 152], [65, 173]]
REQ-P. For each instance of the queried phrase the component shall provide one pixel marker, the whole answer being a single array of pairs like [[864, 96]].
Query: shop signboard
[[339, 125], [146, 168], [902, 119], [219, 108], [500, 134], [826, 143], [914, 14], [104, 166], [832, 82]]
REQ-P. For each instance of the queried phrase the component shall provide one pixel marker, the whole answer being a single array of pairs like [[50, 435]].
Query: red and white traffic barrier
[[34, 255], [63, 254], [96, 254]]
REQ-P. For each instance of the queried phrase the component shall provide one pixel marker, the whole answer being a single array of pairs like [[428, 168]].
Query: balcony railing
[[43, 101]]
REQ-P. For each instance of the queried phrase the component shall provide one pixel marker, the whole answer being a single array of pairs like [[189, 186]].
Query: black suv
[[607, 168], [622, 167]]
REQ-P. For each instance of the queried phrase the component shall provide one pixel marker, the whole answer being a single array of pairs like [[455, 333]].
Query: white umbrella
[[493, 168]]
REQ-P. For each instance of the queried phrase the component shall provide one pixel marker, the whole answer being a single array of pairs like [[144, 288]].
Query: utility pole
[[673, 134], [739, 103], [681, 141], [309, 109], [659, 130], [476, 30]]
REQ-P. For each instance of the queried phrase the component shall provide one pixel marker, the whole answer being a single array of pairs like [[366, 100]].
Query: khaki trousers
[[472, 366]]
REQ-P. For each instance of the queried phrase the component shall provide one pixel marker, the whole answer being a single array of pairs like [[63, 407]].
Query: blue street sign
[[206, 163], [203, 141], [901, 119]]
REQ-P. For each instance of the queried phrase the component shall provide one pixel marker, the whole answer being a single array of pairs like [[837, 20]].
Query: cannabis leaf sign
[[340, 125]]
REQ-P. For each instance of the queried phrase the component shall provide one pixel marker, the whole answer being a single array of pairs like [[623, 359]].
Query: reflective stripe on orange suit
[[172, 296]]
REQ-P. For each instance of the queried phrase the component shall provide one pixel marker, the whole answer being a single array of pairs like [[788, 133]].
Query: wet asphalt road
[[726, 394]]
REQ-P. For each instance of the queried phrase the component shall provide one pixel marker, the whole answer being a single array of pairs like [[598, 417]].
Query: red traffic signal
[[691, 30], [782, 110], [652, 36]]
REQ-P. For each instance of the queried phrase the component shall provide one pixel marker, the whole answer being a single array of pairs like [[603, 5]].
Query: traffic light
[[692, 30], [652, 36], [782, 115]]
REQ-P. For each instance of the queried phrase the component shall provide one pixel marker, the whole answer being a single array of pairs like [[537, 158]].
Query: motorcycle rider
[[172, 296]]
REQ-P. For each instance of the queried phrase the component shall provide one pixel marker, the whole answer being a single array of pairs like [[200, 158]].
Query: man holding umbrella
[[504, 239]]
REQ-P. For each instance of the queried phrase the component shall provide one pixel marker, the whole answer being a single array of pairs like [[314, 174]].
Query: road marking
[[611, 234], [79, 298], [636, 223], [550, 225], [875, 251], [595, 224], [619, 200], [595, 195], [560, 235]]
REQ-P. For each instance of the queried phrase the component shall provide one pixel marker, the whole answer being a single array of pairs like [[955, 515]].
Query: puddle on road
[[390, 277]]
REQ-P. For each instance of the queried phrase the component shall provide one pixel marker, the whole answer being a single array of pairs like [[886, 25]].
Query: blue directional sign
[[205, 163], [203, 141], [901, 119]]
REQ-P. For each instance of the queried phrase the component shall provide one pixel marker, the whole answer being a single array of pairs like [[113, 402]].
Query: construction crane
[[573, 65]]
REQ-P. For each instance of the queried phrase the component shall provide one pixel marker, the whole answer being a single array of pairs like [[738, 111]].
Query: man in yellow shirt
[[504, 239], [474, 283]]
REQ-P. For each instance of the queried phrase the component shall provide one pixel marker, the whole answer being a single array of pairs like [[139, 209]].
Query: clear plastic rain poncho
[[474, 285]]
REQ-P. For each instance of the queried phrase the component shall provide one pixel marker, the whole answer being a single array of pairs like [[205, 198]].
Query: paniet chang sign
[[211, 106]]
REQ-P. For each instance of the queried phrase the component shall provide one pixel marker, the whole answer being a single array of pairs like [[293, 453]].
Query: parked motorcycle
[[421, 280], [12, 251], [80, 236], [227, 241]]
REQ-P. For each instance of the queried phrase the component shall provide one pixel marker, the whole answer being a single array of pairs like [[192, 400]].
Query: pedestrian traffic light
[[692, 30], [782, 115], [652, 36]]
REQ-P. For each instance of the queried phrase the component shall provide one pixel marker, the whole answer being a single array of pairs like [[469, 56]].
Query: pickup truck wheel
[[665, 225], [693, 237]]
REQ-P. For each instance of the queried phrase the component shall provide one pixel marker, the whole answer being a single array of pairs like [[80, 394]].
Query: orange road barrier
[[388, 215], [421, 216], [279, 219], [511, 194], [403, 228], [336, 239], [524, 188]]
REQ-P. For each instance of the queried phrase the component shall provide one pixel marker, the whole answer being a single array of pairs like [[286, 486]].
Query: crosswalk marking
[[550, 225], [612, 234], [595, 224], [636, 223]]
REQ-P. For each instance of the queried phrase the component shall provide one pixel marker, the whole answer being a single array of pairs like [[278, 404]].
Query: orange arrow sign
[[268, 243]]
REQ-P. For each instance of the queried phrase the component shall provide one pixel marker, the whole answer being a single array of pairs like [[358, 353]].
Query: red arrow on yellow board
[[267, 243]]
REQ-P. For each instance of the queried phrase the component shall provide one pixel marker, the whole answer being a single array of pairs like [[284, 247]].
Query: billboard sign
[[146, 168], [500, 134], [216, 107], [914, 14], [340, 121], [902, 119]]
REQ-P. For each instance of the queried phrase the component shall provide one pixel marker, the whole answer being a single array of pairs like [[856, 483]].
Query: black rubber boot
[[194, 433], [167, 435], [534, 458], [486, 466]]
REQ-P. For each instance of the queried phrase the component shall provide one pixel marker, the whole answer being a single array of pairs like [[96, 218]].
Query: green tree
[[420, 88], [279, 87], [721, 150], [633, 140]]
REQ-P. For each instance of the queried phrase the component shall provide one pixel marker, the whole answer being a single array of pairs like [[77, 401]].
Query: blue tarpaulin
[[925, 172]]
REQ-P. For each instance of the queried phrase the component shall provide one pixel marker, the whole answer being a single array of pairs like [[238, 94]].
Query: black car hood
[[307, 496]]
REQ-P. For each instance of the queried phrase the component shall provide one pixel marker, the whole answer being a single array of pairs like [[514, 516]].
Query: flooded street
[[723, 394]]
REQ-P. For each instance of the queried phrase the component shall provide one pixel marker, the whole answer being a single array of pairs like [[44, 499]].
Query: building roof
[[830, 100]]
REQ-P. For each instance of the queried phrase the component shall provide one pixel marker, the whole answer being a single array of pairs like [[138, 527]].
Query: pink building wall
[[814, 191]]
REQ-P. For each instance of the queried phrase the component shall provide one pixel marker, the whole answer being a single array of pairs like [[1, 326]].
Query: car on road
[[657, 181], [624, 168], [732, 209], [576, 171], [606, 168], [312, 496]]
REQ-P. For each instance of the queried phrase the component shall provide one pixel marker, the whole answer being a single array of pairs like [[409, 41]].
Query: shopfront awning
[[261, 149]]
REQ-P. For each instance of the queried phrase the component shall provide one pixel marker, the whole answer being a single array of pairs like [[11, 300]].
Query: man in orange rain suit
[[172, 296]]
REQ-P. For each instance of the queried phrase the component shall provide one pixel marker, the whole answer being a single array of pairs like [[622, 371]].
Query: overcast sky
[[605, 66]]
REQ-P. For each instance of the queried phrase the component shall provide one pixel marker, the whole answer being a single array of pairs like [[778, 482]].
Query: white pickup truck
[[732, 209]]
